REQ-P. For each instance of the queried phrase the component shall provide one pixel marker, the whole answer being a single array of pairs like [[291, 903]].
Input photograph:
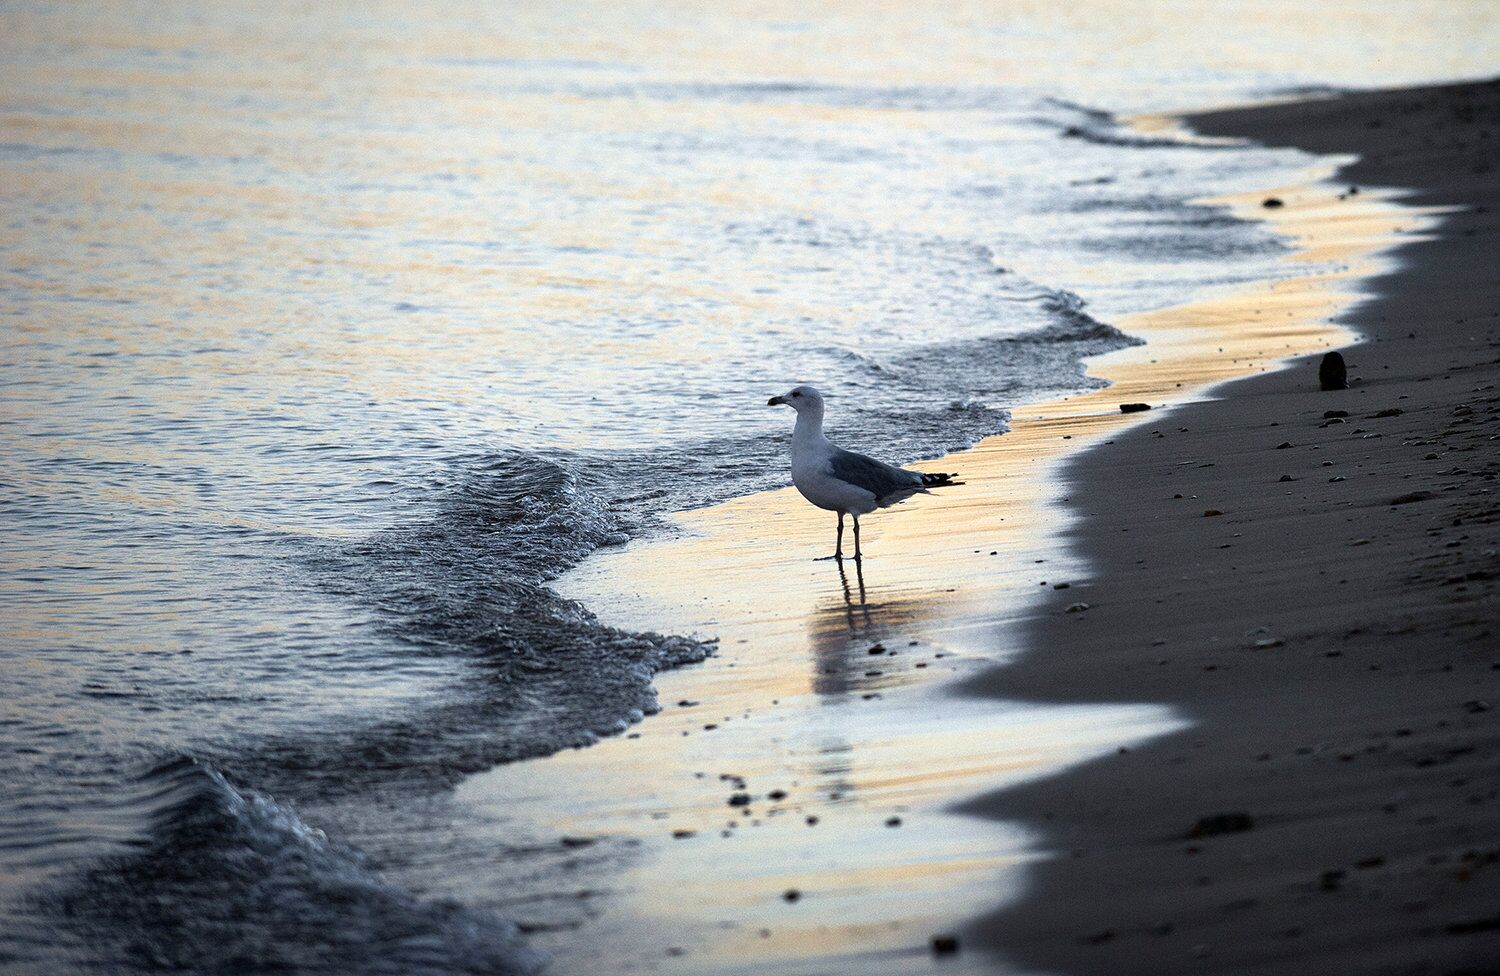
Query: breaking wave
[[227, 880]]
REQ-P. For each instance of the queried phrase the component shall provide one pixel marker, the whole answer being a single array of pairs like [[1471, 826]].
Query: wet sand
[[792, 809], [1333, 637]]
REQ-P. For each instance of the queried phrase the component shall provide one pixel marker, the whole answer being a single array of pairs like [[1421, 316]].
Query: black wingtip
[[940, 480]]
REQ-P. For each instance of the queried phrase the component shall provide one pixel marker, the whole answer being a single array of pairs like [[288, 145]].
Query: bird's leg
[[857, 554], [838, 548]]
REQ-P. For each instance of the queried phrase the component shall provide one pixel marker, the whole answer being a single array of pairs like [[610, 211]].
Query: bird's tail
[[940, 480]]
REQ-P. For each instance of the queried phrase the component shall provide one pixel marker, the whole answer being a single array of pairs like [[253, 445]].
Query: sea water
[[329, 336]]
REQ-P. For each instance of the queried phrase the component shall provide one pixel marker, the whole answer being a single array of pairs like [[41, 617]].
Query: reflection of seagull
[[842, 481], [849, 604]]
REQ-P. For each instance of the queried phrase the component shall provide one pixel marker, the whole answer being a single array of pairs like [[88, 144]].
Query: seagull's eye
[[795, 393]]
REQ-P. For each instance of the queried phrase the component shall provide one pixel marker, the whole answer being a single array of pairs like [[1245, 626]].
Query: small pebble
[[944, 945]]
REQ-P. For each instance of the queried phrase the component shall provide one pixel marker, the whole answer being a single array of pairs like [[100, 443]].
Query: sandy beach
[[800, 805], [1309, 578]]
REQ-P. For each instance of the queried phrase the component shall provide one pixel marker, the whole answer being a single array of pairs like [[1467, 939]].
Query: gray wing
[[880, 480]]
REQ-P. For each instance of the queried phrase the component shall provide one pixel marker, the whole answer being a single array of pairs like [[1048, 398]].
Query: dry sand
[[1334, 638]]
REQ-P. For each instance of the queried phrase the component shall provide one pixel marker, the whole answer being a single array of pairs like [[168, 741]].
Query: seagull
[[842, 481]]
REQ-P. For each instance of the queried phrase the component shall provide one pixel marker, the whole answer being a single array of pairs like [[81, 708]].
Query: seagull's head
[[800, 399]]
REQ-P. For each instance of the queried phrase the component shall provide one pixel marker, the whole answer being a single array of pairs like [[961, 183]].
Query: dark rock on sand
[[1222, 823], [1271, 203], [739, 800], [1332, 373], [1134, 407], [1413, 496], [944, 945], [1331, 414]]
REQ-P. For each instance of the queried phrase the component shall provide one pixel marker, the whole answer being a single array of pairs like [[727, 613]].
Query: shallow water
[[330, 337]]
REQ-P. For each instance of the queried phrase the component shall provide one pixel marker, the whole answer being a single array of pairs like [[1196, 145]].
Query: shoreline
[[1331, 638], [793, 703]]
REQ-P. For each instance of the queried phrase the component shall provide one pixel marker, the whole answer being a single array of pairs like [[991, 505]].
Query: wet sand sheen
[[842, 687]]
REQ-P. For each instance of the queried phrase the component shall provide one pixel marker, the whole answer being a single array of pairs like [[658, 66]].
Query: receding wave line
[[465, 587]]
